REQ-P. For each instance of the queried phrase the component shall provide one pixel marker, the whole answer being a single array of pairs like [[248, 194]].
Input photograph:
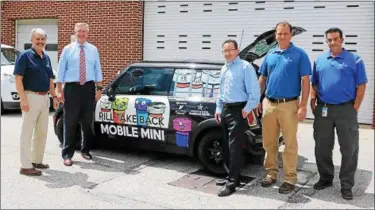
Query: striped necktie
[[82, 67]]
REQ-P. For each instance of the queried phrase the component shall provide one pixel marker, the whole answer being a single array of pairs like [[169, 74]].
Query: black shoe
[[221, 182], [286, 188], [322, 184], [225, 191], [347, 194], [86, 156]]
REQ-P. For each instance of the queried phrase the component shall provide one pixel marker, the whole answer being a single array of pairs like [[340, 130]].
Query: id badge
[[324, 111]]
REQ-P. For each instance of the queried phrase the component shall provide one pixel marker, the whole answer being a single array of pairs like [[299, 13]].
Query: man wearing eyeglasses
[[239, 94], [338, 87]]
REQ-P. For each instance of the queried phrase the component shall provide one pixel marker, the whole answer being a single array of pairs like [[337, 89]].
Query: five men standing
[[338, 83]]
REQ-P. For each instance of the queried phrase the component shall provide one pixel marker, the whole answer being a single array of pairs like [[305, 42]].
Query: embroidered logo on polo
[[287, 60], [339, 65]]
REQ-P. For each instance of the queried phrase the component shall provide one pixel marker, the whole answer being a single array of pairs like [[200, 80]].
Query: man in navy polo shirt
[[282, 71], [338, 86], [34, 78]]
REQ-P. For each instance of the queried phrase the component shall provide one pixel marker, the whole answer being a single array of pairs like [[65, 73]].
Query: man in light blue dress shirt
[[239, 95], [80, 71]]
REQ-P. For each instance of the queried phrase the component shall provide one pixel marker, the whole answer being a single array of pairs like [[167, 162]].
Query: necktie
[[82, 67]]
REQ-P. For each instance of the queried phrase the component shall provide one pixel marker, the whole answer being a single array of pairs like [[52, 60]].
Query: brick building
[[129, 31], [115, 27]]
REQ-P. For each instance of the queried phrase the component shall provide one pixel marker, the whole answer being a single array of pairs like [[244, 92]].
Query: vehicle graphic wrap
[[119, 106], [183, 128], [144, 117], [141, 110]]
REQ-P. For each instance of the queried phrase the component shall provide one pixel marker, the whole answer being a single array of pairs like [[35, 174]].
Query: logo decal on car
[[183, 128]]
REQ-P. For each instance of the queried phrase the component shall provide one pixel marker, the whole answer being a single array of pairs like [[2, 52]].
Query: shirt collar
[[84, 44], [233, 61], [341, 55], [33, 51], [278, 50]]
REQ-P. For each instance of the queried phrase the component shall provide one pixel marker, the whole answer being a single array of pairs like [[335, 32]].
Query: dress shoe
[[322, 184], [347, 194], [30, 172], [267, 181], [40, 165], [68, 162], [86, 156], [226, 190], [221, 182], [286, 188]]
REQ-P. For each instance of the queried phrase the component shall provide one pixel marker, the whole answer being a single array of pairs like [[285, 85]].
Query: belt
[[340, 104], [281, 100], [234, 104], [38, 93], [78, 83]]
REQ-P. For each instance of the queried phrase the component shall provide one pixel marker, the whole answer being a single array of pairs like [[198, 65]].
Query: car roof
[[196, 64], [6, 46]]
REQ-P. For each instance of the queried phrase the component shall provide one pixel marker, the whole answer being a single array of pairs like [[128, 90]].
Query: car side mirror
[[111, 93]]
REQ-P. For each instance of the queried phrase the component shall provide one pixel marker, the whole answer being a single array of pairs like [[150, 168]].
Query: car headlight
[[9, 77]]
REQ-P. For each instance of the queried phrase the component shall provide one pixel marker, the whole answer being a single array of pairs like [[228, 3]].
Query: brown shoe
[[68, 162], [268, 181], [40, 165], [286, 188], [30, 172]]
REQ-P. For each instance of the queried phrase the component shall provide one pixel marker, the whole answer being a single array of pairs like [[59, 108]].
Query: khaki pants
[[276, 117], [35, 121]]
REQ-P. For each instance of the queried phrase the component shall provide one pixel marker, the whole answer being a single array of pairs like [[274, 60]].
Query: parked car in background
[[169, 106], [9, 95], [10, 99]]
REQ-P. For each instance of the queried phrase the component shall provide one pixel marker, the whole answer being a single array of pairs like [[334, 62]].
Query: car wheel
[[256, 150], [210, 153], [60, 133]]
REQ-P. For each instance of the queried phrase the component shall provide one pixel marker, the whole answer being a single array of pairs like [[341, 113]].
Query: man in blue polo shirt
[[282, 71], [338, 86], [34, 79]]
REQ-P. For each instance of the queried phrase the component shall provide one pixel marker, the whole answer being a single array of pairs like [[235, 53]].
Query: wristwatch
[[99, 88]]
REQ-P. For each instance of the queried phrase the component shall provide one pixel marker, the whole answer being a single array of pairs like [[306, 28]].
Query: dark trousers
[[78, 108], [234, 127], [344, 119]]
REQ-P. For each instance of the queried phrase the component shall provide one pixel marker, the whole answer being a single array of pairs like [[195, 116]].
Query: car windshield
[[8, 56]]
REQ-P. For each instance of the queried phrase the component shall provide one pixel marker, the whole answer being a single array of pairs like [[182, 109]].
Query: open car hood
[[263, 43]]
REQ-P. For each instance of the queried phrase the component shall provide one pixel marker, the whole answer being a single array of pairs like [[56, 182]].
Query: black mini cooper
[[170, 107]]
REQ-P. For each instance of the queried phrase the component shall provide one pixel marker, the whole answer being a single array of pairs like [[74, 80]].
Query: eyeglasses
[[227, 51]]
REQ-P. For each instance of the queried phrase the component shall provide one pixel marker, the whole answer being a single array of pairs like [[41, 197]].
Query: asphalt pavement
[[124, 178]]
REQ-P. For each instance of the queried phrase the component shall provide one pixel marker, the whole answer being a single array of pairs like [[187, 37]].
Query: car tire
[[60, 133], [209, 143]]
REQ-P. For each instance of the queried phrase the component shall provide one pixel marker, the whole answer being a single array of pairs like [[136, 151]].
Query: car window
[[8, 56], [144, 81], [192, 82]]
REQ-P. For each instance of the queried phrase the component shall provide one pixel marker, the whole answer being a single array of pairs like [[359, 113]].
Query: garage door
[[198, 30], [24, 28]]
